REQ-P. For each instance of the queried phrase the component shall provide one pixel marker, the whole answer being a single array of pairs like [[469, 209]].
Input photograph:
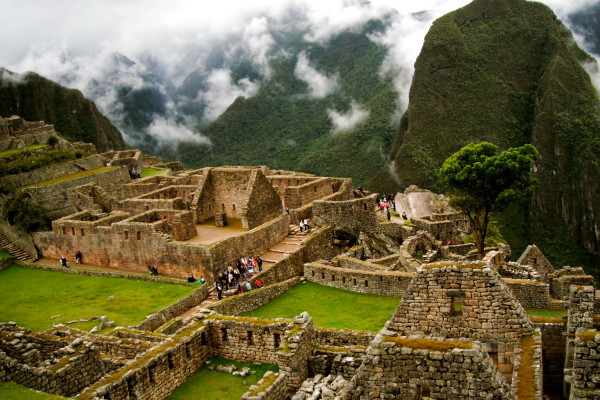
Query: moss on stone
[[428, 344]]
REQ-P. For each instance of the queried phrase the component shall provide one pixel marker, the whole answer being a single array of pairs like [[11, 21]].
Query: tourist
[[63, 262], [248, 286], [243, 272], [239, 288], [259, 261], [306, 226], [388, 214], [191, 278], [201, 281], [258, 283], [219, 290], [301, 226], [404, 215], [154, 270], [78, 257]]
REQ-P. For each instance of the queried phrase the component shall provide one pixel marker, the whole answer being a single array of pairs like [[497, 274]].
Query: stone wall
[[531, 294], [51, 172], [68, 366], [553, 354], [139, 187], [382, 283], [154, 321], [585, 382], [353, 263], [449, 226], [325, 337], [155, 374], [263, 203], [534, 257], [15, 133], [277, 390], [55, 199], [559, 286], [405, 368], [460, 300], [253, 299], [352, 216]]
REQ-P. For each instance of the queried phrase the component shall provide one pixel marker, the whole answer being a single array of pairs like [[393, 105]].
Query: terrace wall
[[51, 172], [553, 354], [55, 199], [381, 283]]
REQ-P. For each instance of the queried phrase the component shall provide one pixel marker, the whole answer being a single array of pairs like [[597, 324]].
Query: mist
[[98, 46]]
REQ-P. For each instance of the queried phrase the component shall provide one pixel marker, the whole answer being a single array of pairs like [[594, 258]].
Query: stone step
[[16, 250]]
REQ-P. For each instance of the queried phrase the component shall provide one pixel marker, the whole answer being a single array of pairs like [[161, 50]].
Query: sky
[[72, 41]]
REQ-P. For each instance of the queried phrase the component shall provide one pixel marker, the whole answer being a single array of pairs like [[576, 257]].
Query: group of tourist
[[135, 173], [153, 269], [304, 227], [232, 276]]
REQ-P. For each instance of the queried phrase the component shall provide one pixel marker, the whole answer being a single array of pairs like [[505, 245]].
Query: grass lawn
[[151, 171], [331, 308], [12, 391], [30, 297], [8, 153], [540, 312], [70, 177], [208, 384], [4, 254]]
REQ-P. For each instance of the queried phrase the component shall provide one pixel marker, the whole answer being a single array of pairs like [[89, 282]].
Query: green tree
[[482, 180]]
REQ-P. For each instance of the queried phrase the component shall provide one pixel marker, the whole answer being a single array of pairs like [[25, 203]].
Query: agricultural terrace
[[331, 308]]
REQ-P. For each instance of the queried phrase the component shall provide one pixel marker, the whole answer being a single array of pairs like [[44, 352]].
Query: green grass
[[73, 176], [151, 171], [30, 297], [12, 391], [540, 312], [4, 254], [208, 384], [331, 308], [8, 153]]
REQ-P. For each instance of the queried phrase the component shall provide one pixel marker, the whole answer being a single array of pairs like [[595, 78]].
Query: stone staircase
[[16, 250]]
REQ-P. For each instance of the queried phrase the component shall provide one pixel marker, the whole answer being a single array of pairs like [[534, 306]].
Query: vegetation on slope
[[508, 72], [284, 127], [36, 98]]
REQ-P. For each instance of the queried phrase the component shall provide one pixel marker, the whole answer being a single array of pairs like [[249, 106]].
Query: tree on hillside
[[482, 180]]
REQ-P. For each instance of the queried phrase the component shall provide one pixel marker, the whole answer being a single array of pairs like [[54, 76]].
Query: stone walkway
[[291, 243]]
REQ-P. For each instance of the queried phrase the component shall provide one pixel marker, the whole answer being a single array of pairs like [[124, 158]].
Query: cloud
[[167, 131], [222, 92], [319, 85], [343, 122]]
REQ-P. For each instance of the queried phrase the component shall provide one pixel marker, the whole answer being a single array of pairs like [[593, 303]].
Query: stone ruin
[[459, 332]]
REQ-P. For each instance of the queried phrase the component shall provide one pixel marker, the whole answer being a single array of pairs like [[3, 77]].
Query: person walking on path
[[259, 261], [301, 226]]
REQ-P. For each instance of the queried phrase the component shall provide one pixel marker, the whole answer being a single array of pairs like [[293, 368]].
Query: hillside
[[284, 126], [36, 98], [508, 72]]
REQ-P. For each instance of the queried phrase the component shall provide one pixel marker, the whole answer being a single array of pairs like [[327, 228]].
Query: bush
[[20, 211]]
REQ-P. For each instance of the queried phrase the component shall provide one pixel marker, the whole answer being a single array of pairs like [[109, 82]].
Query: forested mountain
[[36, 98], [509, 72], [286, 125]]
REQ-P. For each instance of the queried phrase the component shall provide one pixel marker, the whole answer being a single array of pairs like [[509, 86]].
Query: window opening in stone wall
[[64, 230], [73, 231], [224, 335], [276, 339], [126, 235], [250, 337], [424, 392], [223, 207], [233, 207], [354, 281], [343, 279], [332, 278], [152, 373], [366, 283], [131, 387], [82, 232], [365, 206], [188, 351], [322, 275], [457, 306], [380, 278], [535, 260], [315, 188], [313, 273], [138, 235], [170, 360], [203, 338]]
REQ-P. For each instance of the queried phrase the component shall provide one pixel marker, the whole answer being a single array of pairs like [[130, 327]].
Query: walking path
[[291, 243]]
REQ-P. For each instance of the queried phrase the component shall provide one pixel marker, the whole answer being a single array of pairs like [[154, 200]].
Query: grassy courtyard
[[331, 308], [12, 391], [209, 384], [32, 297]]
